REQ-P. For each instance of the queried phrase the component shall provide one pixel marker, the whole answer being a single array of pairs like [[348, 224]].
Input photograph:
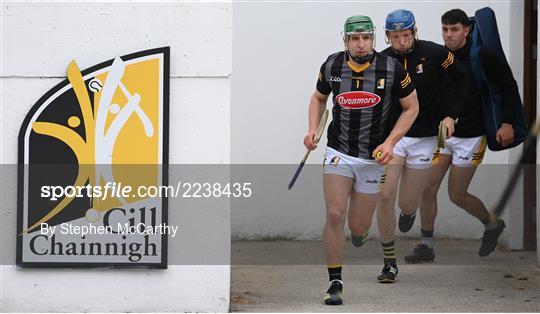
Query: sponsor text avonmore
[[357, 100]]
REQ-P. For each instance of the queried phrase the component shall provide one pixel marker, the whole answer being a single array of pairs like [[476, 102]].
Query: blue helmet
[[399, 20]]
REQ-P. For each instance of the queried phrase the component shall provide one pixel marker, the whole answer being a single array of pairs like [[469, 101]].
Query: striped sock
[[358, 241], [388, 250], [427, 238], [334, 272]]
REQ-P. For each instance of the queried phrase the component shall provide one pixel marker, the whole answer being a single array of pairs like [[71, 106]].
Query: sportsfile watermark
[[119, 190]]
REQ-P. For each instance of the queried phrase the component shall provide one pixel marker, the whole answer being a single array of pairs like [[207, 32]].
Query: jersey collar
[[362, 67]]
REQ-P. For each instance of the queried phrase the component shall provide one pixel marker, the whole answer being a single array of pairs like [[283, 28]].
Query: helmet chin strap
[[360, 59]]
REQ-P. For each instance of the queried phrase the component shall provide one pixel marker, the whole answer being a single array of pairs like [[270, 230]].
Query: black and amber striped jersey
[[365, 99], [427, 64]]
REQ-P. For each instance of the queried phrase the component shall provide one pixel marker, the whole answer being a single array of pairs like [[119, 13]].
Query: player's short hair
[[455, 16]]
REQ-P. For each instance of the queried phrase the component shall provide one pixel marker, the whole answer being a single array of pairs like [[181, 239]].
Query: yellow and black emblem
[[104, 126], [335, 160], [380, 83]]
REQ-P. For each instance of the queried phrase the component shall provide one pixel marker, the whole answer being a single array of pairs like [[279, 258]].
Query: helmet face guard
[[359, 25], [400, 20]]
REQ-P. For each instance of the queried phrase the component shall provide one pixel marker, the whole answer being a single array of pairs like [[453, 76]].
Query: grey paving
[[458, 281]]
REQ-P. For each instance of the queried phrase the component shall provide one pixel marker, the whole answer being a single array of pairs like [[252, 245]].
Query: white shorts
[[417, 151], [366, 173], [466, 152]]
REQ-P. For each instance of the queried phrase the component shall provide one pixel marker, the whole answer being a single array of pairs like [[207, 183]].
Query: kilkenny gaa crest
[[101, 129]]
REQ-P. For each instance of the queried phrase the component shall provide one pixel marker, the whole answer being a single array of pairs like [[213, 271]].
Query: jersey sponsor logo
[[372, 181], [357, 100]]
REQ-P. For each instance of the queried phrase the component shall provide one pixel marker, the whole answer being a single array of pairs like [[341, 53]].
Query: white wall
[[278, 49], [38, 41]]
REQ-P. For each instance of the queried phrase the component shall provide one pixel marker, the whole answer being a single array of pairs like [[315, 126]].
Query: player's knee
[[387, 195], [358, 227], [430, 191], [456, 196], [335, 215], [408, 205]]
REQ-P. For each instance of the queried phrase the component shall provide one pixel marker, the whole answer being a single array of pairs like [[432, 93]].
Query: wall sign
[[92, 153]]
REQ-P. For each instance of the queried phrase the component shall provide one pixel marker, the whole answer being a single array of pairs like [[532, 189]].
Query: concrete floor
[[284, 276]]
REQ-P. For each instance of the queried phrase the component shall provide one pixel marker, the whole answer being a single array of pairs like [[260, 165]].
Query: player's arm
[[498, 71], [406, 119], [317, 105], [460, 78], [404, 90]]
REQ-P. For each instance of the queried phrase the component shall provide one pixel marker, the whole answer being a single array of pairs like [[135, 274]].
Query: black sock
[[389, 252], [489, 223], [334, 272], [427, 238]]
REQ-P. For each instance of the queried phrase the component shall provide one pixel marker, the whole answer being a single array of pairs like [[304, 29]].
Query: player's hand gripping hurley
[[318, 134]]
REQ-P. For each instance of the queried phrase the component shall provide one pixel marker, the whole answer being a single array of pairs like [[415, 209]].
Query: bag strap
[[475, 61]]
